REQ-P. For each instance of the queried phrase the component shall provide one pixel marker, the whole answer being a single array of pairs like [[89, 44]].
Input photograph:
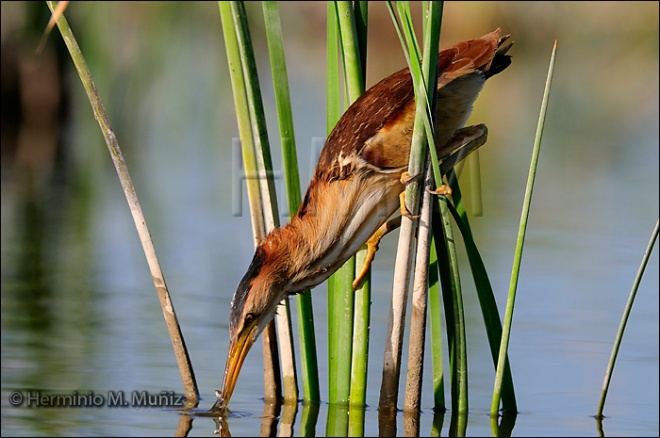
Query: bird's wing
[[376, 130], [378, 127], [462, 72]]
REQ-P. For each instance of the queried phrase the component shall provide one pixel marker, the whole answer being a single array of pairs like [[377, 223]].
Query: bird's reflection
[[221, 426]]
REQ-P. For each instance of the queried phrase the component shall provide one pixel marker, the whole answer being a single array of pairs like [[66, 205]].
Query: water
[[79, 310]]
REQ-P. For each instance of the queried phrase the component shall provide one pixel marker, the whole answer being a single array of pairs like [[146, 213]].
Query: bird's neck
[[296, 252], [320, 239]]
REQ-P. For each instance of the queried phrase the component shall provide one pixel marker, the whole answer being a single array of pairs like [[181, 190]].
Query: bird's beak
[[238, 350]]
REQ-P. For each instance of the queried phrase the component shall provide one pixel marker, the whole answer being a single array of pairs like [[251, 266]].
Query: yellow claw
[[402, 207], [406, 177], [372, 247], [443, 190]]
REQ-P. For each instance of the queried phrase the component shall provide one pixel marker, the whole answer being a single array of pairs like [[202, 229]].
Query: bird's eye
[[249, 318]]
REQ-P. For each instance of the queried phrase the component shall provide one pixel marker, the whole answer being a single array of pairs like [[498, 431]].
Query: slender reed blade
[[459, 370], [333, 112], [361, 18], [435, 316], [486, 299], [444, 272], [283, 104], [362, 296], [360, 349], [56, 14], [257, 116], [350, 50], [333, 88], [308, 356], [423, 80], [176, 336], [340, 373], [343, 295], [239, 86], [513, 286], [624, 321], [254, 139]]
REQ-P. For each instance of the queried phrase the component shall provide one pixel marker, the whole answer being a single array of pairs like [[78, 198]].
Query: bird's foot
[[407, 177], [403, 209], [443, 190], [372, 247]]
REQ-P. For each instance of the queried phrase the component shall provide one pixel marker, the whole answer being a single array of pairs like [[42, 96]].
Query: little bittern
[[356, 187]]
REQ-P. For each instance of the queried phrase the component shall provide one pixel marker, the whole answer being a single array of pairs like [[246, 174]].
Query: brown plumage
[[356, 186]]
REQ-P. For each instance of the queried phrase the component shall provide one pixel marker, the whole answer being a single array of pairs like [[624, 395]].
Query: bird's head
[[252, 308]]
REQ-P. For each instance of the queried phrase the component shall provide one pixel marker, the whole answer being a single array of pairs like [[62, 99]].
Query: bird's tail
[[501, 60]]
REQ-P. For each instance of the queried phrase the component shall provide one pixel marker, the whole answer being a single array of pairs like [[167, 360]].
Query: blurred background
[[79, 310]]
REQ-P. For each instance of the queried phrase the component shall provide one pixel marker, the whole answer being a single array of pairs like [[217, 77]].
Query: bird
[[357, 187]]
